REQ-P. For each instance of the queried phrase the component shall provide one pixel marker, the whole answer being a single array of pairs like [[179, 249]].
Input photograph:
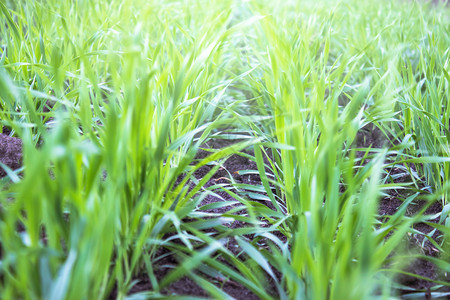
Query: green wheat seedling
[[129, 112], [321, 92]]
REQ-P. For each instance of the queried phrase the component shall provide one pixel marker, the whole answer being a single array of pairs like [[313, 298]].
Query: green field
[[341, 109]]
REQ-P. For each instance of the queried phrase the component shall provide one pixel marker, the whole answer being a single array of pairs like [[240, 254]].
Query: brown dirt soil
[[10, 153]]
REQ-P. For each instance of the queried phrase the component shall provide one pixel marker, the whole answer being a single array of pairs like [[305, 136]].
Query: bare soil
[[10, 153]]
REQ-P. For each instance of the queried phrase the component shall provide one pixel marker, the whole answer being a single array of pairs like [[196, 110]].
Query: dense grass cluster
[[113, 100]]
